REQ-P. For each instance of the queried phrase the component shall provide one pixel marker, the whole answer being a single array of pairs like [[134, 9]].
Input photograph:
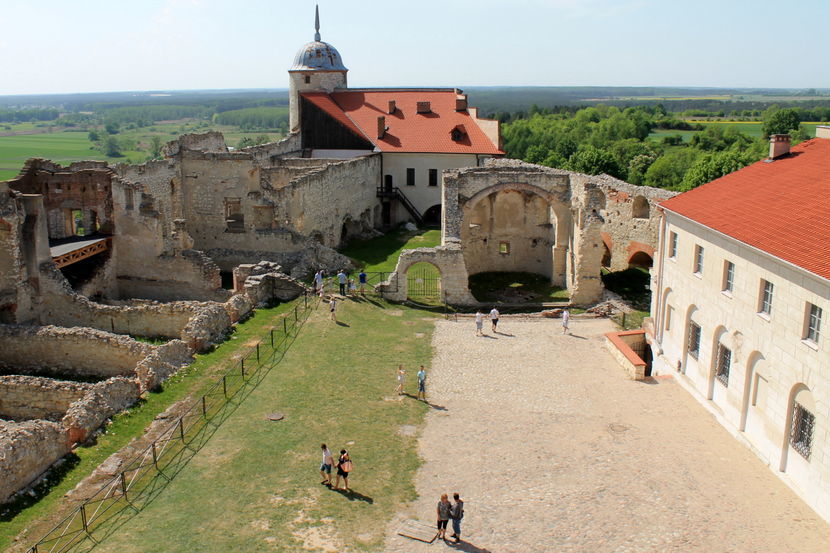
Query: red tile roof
[[407, 130], [781, 207]]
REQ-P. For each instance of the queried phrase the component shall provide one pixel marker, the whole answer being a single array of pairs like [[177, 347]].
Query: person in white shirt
[[494, 318], [566, 320], [479, 323], [325, 466]]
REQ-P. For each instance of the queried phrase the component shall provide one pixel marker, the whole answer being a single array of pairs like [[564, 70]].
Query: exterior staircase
[[393, 193]]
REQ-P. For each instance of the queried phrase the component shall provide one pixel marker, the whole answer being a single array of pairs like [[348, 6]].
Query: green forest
[[620, 142]]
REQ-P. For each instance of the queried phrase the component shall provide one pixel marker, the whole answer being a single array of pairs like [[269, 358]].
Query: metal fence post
[[204, 407], [272, 337], [257, 358], [83, 517], [623, 320], [285, 325], [123, 485], [181, 428], [225, 384], [155, 455], [295, 312]]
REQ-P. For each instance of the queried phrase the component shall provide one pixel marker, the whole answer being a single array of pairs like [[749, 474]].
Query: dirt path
[[554, 450]]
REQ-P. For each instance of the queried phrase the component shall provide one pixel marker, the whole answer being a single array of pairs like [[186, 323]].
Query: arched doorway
[[423, 283], [641, 260], [432, 216]]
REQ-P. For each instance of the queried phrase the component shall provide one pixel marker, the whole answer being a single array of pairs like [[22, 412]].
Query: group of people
[[450, 512], [422, 382], [343, 465], [346, 284]]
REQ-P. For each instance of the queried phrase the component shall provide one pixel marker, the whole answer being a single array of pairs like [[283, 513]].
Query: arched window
[[639, 208]]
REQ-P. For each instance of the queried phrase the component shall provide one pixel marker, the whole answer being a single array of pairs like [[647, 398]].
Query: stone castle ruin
[[93, 256]]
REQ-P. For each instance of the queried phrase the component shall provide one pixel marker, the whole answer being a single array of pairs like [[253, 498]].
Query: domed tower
[[317, 67]]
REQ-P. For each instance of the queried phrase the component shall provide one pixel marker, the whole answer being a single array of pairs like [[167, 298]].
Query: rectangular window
[[433, 177], [673, 245], [128, 198], [724, 362], [698, 260], [765, 304], [801, 434], [234, 220], [728, 276], [694, 339], [813, 323], [504, 247], [410, 177]]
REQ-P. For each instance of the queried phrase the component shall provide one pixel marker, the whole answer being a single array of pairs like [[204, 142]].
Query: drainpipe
[[658, 306]]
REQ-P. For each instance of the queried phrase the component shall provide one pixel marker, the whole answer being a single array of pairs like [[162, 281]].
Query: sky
[[65, 46]]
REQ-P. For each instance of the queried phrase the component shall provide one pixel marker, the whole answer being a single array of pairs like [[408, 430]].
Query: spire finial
[[317, 23]]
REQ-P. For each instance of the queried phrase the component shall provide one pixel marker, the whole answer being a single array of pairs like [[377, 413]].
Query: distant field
[[751, 128], [64, 146]]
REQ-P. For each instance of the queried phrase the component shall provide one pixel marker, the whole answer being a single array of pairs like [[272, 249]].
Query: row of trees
[[615, 141], [28, 115], [258, 118]]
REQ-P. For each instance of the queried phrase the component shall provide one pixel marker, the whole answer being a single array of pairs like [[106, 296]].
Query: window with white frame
[[698, 260], [724, 362], [694, 339], [728, 276], [765, 300], [673, 245], [801, 433], [813, 326]]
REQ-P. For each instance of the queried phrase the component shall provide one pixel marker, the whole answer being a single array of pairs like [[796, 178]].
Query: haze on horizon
[[101, 46]]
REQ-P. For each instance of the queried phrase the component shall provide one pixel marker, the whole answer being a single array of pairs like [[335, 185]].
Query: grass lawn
[[381, 253], [515, 288], [255, 485], [195, 379]]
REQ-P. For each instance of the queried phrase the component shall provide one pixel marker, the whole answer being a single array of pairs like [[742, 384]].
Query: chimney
[[423, 107], [461, 102], [392, 107], [779, 145], [381, 126]]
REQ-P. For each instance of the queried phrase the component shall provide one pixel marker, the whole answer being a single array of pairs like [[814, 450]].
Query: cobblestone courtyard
[[554, 450]]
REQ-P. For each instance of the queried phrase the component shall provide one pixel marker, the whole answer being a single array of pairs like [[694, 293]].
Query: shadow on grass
[[352, 495], [52, 478]]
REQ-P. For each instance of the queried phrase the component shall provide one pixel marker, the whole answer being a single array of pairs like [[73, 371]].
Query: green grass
[[381, 253], [494, 287], [194, 379], [632, 320], [255, 485]]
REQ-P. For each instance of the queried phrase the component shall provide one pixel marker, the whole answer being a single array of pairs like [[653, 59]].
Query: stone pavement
[[555, 450]]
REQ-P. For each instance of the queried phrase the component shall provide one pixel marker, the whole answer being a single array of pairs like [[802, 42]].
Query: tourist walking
[[401, 378], [352, 287], [479, 323], [443, 511], [494, 318], [361, 278], [422, 384], [456, 514], [341, 280], [318, 281], [325, 466], [333, 308], [566, 320], [344, 467]]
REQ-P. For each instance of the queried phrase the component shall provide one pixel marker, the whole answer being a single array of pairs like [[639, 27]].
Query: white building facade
[[740, 318]]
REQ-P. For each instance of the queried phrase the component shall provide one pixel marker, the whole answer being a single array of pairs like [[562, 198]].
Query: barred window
[[813, 323], [801, 433], [699, 260], [724, 363], [766, 297], [694, 339]]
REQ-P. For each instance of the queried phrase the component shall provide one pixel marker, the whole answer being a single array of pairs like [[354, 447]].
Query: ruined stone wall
[[32, 397], [80, 352], [83, 186], [27, 449], [15, 290], [267, 154]]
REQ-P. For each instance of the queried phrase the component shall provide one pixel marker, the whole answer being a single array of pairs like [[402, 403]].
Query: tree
[[780, 121], [668, 170], [112, 148], [712, 166], [155, 146], [593, 161], [112, 128], [94, 136]]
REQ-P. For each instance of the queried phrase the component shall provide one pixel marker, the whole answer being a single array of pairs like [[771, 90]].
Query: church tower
[[317, 67]]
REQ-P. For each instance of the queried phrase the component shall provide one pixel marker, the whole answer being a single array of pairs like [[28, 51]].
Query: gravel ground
[[554, 450]]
